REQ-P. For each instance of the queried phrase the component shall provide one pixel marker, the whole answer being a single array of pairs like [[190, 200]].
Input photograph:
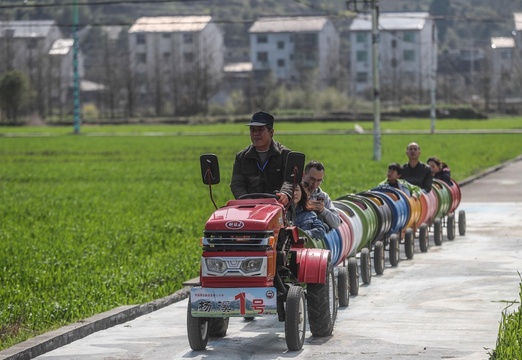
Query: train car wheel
[[366, 266], [462, 223], [378, 257], [451, 226], [423, 238], [394, 250], [437, 233], [353, 275], [343, 286], [409, 244]]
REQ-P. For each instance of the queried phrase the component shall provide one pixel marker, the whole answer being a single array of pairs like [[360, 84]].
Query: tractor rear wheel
[[423, 238], [409, 243], [366, 266], [218, 327], [437, 233], [462, 223], [353, 274], [343, 286], [451, 226], [295, 321], [394, 250], [322, 305], [197, 331]]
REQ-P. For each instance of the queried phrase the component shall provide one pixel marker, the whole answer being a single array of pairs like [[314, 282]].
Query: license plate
[[236, 302]]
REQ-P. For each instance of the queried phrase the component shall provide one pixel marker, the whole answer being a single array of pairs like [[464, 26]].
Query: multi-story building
[[176, 61], [295, 48], [407, 55], [502, 56], [25, 46]]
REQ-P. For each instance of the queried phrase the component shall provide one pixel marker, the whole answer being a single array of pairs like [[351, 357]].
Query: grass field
[[114, 216]]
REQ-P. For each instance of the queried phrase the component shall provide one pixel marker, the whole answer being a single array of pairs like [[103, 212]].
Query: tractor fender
[[312, 265]]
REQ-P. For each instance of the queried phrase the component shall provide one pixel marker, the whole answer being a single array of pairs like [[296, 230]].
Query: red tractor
[[254, 264]]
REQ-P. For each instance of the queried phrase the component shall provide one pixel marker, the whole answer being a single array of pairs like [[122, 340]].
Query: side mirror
[[294, 167], [209, 169]]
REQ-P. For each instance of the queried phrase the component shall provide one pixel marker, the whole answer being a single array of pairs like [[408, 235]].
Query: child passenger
[[393, 179], [305, 219], [440, 170]]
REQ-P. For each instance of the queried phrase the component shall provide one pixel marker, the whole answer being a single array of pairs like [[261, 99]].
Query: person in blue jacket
[[305, 219]]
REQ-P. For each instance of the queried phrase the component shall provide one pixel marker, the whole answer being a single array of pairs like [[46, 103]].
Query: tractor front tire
[[197, 331], [295, 321]]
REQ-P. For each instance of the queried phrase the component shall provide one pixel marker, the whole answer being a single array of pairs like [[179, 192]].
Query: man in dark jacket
[[260, 167], [416, 172]]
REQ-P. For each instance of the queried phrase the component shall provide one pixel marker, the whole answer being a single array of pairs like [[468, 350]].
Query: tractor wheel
[[343, 286], [353, 274], [437, 232], [451, 226], [321, 301], [378, 257], [462, 223], [295, 321], [409, 243], [218, 327], [394, 250], [423, 238], [197, 331], [366, 266]]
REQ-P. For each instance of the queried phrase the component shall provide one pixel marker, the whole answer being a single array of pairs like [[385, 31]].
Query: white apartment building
[[407, 54], [171, 56], [292, 47]]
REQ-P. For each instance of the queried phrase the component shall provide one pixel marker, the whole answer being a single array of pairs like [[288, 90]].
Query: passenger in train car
[[305, 218], [319, 201], [393, 179], [440, 170], [415, 171]]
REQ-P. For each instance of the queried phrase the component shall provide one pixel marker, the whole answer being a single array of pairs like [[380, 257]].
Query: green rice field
[[113, 216]]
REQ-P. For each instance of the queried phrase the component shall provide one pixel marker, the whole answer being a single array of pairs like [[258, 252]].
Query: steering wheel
[[258, 196]]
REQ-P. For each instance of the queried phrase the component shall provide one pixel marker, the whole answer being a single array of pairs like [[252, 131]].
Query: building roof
[[170, 24], [502, 42], [289, 24], [61, 47], [518, 21], [26, 28], [391, 21]]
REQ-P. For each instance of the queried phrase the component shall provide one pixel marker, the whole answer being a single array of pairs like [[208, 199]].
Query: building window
[[361, 37], [166, 56], [362, 56], [166, 35], [409, 36], [361, 77], [280, 44], [32, 44], [409, 55], [188, 56], [188, 38], [394, 44], [281, 62], [140, 39], [141, 58], [262, 39], [262, 56]]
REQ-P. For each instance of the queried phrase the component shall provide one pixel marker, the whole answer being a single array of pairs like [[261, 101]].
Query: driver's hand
[[282, 198]]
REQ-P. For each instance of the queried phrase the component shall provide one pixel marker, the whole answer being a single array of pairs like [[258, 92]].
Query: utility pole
[[376, 90], [76, 76], [433, 80]]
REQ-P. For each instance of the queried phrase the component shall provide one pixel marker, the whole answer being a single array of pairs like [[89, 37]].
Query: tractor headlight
[[252, 265], [216, 265]]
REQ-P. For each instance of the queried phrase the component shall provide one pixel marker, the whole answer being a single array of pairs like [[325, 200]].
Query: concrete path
[[443, 304]]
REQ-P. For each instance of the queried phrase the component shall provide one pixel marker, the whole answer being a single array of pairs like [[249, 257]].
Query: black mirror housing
[[294, 167], [209, 169]]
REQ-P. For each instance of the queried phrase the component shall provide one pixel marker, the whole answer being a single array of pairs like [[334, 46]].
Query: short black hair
[[395, 166], [314, 164]]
